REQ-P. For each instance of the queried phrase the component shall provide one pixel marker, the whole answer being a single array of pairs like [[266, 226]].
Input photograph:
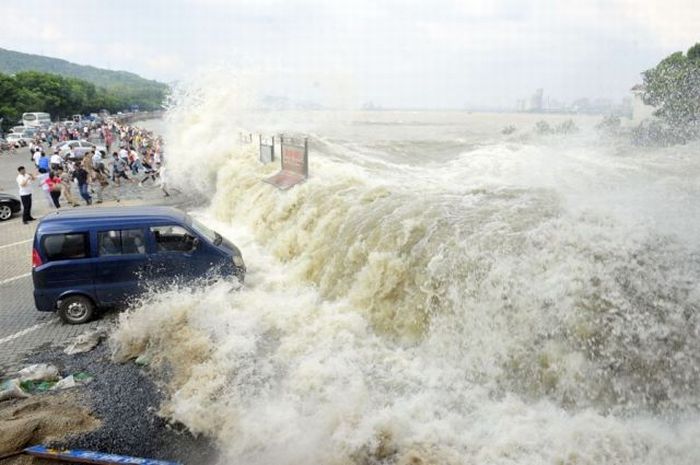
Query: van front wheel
[[76, 310]]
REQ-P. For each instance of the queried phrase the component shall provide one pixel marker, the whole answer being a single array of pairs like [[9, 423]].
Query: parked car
[[78, 148], [88, 259], [18, 129], [9, 205], [4, 145], [18, 140]]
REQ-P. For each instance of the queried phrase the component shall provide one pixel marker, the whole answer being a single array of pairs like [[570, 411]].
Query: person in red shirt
[[55, 188]]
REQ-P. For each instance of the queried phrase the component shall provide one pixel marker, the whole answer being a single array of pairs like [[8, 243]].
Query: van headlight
[[238, 261]]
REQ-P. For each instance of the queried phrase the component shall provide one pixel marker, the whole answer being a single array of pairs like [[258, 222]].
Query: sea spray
[[502, 306]]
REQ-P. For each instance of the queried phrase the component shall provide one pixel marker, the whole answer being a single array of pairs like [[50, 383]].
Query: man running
[[82, 176], [118, 169]]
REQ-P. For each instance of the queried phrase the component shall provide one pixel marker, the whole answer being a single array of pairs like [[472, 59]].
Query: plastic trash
[[11, 389], [38, 372], [73, 380], [85, 342], [83, 377], [37, 386], [66, 383]]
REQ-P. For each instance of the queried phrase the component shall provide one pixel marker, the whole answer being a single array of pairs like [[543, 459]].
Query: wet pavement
[[24, 330]]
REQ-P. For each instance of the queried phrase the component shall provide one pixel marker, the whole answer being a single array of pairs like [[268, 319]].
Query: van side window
[[121, 242], [65, 246], [173, 239]]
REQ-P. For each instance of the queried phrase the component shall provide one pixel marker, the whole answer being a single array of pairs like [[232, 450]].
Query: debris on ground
[[35, 387], [87, 456], [73, 380], [86, 342], [11, 389], [40, 378], [38, 372], [25, 422], [143, 359]]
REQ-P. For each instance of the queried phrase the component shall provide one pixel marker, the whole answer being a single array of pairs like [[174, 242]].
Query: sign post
[[295, 163], [267, 149]]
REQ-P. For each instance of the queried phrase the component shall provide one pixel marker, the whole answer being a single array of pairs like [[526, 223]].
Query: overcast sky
[[397, 53]]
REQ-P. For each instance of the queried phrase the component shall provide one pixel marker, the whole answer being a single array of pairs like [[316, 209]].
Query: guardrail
[[138, 116]]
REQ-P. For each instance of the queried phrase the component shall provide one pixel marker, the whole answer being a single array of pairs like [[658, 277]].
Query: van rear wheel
[[76, 310]]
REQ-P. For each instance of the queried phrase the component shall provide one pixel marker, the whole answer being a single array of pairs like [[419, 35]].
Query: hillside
[[128, 85], [13, 62]]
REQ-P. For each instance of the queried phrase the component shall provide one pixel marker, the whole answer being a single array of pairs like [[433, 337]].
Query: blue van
[[87, 259]]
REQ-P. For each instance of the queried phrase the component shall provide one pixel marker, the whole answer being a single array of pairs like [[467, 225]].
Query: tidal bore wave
[[521, 301]]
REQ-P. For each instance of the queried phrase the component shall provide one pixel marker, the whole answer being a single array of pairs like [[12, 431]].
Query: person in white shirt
[[24, 181], [37, 155], [97, 162], [55, 161]]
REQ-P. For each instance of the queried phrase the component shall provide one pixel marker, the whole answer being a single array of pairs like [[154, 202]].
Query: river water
[[436, 292]]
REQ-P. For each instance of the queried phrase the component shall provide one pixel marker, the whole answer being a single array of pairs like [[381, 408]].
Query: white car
[[78, 148], [16, 139]]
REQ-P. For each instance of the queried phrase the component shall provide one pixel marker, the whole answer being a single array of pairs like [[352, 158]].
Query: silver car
[[16, 139]]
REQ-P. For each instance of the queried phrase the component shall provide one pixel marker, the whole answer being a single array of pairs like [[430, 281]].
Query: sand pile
[[40, 420]]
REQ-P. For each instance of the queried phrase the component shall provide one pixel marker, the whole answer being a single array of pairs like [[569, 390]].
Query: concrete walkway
[[23, 329]]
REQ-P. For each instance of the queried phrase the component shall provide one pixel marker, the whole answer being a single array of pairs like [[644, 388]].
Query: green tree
[[694, 52], [64, 96], [673, 87]]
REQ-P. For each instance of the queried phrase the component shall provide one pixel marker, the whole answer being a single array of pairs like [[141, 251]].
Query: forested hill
[[124, 83]]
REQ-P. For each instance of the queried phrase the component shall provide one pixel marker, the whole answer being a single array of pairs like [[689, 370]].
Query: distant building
[[536, 101], [370, 106], [554, 106], [640, 110], [582, 105]]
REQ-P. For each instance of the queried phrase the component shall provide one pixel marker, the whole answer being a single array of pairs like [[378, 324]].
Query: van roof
[[89, 217]]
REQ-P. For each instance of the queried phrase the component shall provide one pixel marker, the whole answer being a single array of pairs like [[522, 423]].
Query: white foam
[[492, 308]]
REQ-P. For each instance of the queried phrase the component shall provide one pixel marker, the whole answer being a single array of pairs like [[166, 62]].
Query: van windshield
[[213, 236]]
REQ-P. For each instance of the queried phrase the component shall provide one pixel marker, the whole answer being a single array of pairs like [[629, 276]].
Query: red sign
[[293, 160], [295, 165]]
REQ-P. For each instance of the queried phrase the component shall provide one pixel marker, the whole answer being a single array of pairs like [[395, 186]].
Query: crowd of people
[[69, 174]]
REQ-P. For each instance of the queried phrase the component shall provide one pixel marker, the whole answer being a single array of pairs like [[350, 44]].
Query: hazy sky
[[395, 53]]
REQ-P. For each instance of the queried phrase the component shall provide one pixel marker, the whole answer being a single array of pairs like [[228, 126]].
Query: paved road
[[23, 329]]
